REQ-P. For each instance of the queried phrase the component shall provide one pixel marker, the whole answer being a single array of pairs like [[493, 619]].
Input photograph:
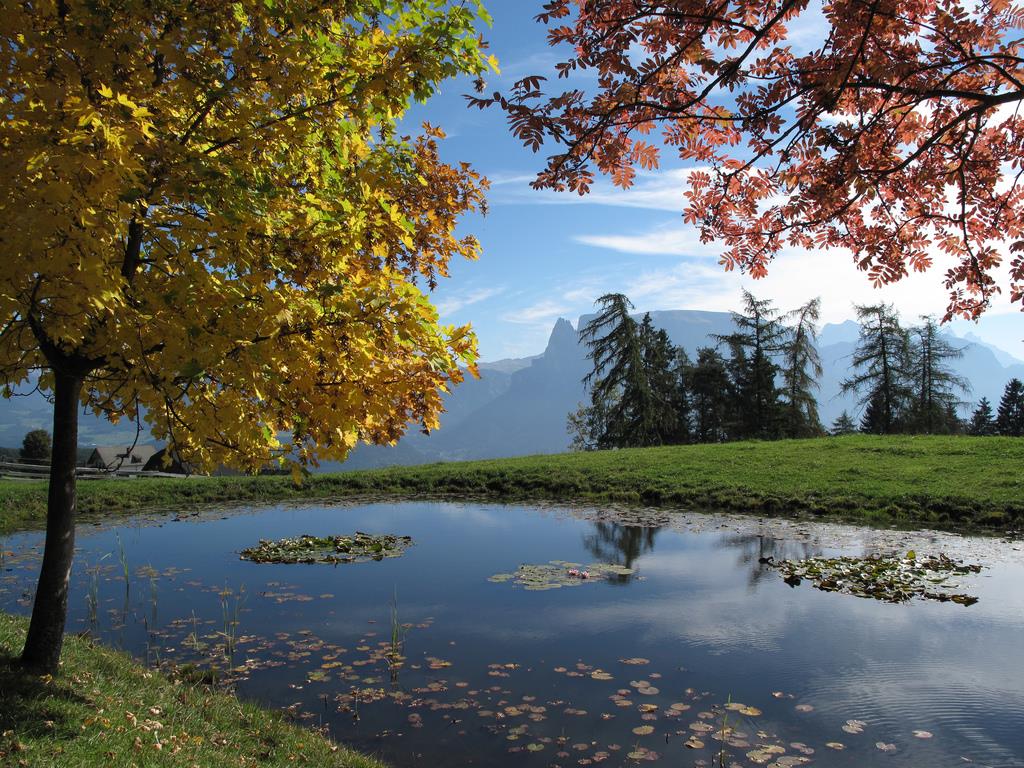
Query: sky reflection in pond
[[494, 674]]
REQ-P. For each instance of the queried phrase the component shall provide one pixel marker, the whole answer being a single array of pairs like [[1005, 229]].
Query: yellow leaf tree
[[209, 220]]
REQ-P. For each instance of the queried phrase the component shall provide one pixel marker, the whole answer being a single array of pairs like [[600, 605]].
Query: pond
[[691, 651]]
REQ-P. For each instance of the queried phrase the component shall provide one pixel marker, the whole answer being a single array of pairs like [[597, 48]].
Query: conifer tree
[[1010, 417], [759, 336], [623, 404], [983, 421], [843, 425], [708, 385], [801, 370], [659, 362], [735, 411], [682, 399], [873, 420], [880, 369], [935, 385]]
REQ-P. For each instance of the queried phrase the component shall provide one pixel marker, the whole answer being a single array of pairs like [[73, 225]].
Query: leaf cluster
[[896, 138], [210, 217]]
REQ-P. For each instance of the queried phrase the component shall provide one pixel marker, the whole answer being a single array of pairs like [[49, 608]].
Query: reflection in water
[[467, 672], [618, 544], [756, 549]]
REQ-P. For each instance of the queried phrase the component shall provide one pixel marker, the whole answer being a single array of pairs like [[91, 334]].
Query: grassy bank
[[945, 481], [104, 709]]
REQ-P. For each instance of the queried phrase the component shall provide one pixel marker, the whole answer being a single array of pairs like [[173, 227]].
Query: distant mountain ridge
[[529, 414], [519, 406]]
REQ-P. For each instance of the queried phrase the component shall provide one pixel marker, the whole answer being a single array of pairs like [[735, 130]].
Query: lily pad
[[890, 578], [559, 573], [358, 547]]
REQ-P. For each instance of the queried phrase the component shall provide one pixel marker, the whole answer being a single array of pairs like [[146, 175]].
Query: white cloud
[[809, 30], [662, 241], [453, 304], [584, 292], [794, 276], [543, 313], [541, 63], [653, 190], [503, 179], [532, 323]]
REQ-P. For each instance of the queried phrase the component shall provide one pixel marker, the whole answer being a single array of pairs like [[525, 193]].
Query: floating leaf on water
[[836, 745], [922, 734], [885, 747], [359, 547], [765, 754], [643, 730], [694, 743], [804, 708], [791, 761], [889, 578], [642, 753], [559, 573], [854, 726]]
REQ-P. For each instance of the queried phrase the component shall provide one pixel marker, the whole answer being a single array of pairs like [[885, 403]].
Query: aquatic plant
[[193, 636], [230, 608], [724, 730], [358, 547], [560, 573], [152, 648], [153, 594], [122, 556], [395, 655], [891, 578], [92, 595]]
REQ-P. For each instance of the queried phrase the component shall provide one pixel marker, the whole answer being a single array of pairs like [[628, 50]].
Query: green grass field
[[953, 482], [105, 710]]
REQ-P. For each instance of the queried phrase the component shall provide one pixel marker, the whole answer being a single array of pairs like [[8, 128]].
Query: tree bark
[[49, 612]]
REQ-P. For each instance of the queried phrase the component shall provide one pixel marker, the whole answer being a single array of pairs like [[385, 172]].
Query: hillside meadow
[[948, 482]]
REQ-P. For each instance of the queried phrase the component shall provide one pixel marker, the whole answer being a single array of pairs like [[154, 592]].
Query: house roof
[[112, 455], [176, 466]]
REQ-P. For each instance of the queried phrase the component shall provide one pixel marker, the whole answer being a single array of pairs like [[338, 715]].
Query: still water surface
[[500, 676]]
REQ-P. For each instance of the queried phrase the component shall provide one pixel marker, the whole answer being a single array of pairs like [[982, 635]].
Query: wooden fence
[[12, 470]]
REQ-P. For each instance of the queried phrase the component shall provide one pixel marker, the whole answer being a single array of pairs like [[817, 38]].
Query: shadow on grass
[[32, 706]]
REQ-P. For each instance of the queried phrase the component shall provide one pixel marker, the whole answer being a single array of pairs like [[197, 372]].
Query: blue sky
[[548, 255]]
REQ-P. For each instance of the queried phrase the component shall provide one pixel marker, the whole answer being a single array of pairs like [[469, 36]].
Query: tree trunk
[[49, 612]]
